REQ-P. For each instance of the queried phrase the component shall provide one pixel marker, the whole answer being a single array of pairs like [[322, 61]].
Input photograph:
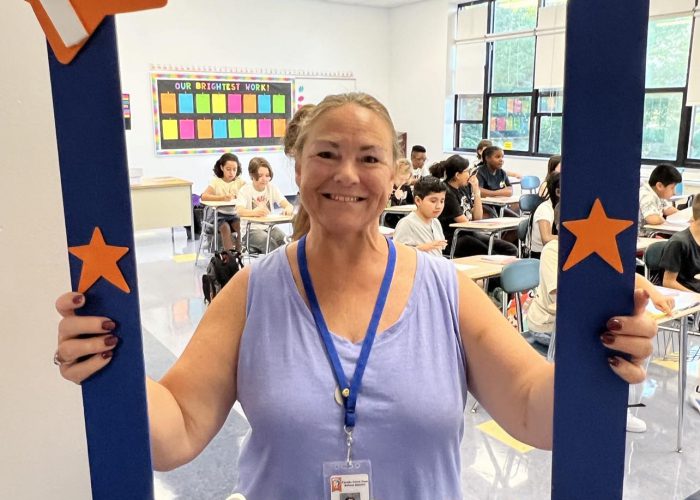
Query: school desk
[[492, 227], [664, 228], [398, 209], [216, 205], [270, 221], [500, 202], [159, 202], [682, 316]]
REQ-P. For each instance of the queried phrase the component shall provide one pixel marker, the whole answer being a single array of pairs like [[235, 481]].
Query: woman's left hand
[[289, 209], [631, 335]]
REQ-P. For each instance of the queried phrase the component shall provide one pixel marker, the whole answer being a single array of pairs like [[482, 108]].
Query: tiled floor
[[171, 304]]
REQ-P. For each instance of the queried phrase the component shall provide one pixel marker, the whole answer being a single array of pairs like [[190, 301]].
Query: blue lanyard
[[349, 390]]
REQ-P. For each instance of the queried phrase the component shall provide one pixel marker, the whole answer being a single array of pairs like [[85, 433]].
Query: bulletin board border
[[155, 76]]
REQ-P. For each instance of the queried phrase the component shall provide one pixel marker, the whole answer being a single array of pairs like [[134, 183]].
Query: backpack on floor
[[222, 266]]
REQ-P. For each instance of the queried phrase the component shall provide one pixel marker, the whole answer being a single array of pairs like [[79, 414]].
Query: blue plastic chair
[[517, 277], [529, 183], [529, 203], [652, 260]]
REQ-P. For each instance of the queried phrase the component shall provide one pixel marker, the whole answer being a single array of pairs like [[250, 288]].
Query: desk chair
[[652, 260], [523, 238], [208, 233], [517, 277], [529, 183]]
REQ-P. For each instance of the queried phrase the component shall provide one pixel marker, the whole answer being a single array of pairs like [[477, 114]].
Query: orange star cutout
[[596, 234], [100, 261]]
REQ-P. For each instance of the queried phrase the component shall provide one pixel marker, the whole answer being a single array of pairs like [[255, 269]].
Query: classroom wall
[[295, 34], [43, 452]]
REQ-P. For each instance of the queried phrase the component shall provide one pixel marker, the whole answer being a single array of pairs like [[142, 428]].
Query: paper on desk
[[499, 259], [682, 217], [464, 267], [684, 300]]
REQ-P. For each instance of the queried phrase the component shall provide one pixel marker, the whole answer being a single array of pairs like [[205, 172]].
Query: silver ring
[[56, 360]]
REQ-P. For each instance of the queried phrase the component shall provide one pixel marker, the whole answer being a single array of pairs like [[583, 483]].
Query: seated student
[[418, 157], [681, 258], [257, 200], [493, 180], [420, 228], [225, 187], [654, 206], [553, 165], [483, 144], [543, 229], [401, 194], [462, 204], [541, 315]]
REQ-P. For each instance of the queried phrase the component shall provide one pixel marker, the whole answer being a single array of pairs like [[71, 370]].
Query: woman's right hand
[[85, 343]]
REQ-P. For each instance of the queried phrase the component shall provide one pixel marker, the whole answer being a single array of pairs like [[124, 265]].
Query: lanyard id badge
[[349, 479]]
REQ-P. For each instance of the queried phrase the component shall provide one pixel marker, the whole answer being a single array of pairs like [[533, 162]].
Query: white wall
[[43, 452], [292, 34]]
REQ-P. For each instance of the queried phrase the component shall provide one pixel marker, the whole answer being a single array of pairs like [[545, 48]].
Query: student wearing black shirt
[[462, 204], [681, 258]]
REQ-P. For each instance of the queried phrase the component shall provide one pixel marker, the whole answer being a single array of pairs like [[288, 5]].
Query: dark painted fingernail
[[107, 354], [613, 361], [614, 325], [110, 325], [111, 340], [606, 338], [78, 299]]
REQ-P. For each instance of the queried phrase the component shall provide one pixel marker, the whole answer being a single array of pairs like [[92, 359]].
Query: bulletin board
[[202, 113]]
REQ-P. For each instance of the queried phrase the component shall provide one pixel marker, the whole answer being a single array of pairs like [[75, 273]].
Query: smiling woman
[[319, 406]]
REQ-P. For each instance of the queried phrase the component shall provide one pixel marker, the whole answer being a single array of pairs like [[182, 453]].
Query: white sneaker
[[694, 398], [635, 424]]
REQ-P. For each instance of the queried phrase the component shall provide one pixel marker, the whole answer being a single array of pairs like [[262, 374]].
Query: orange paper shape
[[90, 14], [596, 234], [100, 261]]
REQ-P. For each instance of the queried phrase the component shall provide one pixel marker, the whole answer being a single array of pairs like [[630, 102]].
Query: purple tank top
[[409, 411]]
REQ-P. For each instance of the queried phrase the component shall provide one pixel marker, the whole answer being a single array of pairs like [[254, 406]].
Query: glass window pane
[[514, 15], [513, 65], [469, 135], [550, 103], [509, 122], [694, 149], [470, 107], [668, 46], [550, 135], [662, 121]]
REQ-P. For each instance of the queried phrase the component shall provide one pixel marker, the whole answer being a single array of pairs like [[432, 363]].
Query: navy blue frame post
[[601, 150], [95, 185]]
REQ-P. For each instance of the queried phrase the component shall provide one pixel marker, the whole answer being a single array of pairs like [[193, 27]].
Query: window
[[694, 147], [520, 107], [549, 108], [662, 118]]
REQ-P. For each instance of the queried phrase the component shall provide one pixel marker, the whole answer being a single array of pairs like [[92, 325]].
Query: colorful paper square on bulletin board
[[265, 127], [250, 103], [235, 103], [264, 103], [204, 129], [220, 129], [235, 129], [186, 129], [250, 128], [170, 130], [279, 103], [186, 103], [218, 103], [203, 103], [280, 127], [167, 104]]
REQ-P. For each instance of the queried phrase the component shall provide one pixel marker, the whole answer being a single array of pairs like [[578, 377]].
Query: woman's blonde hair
[[301, 220], [403, 167]]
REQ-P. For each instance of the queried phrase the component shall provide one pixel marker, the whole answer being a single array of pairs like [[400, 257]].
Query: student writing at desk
[[654, 196], [225, 187], [257, 200], [681, 258]]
